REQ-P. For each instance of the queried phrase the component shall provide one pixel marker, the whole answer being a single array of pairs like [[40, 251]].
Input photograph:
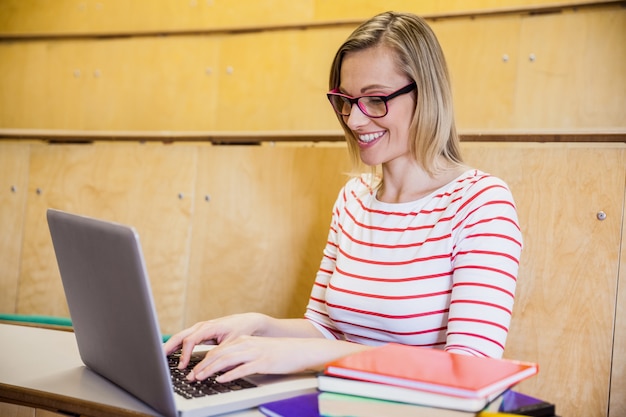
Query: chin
[[369, 161]]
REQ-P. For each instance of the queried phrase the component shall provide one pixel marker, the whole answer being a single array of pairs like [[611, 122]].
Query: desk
[[41, 368]]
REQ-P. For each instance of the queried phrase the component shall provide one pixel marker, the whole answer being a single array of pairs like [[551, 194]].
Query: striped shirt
[[437, 272]]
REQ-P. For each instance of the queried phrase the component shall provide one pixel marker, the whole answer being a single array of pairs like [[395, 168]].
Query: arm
[[488, 245], [228, 328], [249, 355], [255, 343]]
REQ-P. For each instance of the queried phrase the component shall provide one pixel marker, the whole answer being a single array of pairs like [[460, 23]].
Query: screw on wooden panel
[[601, 215], [505, 58], [532, 57], [38, 191], [207, 198], [229, 70], [13, 189], [208, 70], [181, 196], [76, 73], [97, 73]]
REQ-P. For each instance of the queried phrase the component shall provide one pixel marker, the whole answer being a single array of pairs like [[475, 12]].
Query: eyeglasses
[[373, 106]]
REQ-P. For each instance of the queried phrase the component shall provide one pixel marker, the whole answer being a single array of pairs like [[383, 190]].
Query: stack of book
[[416, 381], [396, 380]]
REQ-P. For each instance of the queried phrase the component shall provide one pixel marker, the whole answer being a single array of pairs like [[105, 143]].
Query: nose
[[356, 118]]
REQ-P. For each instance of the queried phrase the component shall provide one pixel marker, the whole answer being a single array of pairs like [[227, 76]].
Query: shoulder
[[479, 184], [359, 186], [485, 203]]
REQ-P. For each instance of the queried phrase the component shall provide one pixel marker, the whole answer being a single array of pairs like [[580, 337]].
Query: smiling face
[[374, 71]]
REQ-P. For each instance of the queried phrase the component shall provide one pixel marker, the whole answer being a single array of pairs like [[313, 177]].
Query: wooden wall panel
[[14, 158], [115, 16], [555, 71], [483, 74], [617, 404], [572, 71], [247, 82], [120, 84], [247, 230], [363, 9], [565, 306], [277, 80], [24, 77], [258, 241], [129, 183]]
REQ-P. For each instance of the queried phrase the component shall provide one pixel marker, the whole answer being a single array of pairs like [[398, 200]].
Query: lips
[[370, 137]]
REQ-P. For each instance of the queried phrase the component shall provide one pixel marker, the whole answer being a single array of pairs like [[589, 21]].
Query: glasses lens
[[340, 104], [373, 106]]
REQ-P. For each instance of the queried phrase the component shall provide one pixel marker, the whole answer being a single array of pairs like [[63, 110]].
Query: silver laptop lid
[[111, 306]]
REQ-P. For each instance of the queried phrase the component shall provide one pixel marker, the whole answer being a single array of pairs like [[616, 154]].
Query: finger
[[186, 350], [241, 371], [173, 343], [188, 340], [220, 359], [170, 346]]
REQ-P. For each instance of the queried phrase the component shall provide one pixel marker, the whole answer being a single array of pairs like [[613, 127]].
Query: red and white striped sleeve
[[486, 254]]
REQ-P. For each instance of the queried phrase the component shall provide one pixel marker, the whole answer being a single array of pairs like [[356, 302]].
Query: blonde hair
[[421, 58]]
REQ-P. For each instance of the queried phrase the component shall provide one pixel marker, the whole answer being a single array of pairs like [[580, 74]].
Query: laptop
[[116, 327]]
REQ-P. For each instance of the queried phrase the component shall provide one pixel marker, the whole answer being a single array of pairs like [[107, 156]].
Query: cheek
[[401, 127], [402, 114]]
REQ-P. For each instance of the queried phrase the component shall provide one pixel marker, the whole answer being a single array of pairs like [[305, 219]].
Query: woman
[[423, 251]]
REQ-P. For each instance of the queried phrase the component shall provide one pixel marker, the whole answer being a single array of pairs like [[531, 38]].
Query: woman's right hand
[[213, 332]]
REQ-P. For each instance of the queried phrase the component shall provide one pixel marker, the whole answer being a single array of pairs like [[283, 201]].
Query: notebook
[[116, 327]]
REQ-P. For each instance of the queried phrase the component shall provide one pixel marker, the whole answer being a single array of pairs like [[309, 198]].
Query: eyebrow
[[365, 89]]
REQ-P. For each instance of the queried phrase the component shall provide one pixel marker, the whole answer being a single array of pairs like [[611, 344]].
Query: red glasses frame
[[338, 106]]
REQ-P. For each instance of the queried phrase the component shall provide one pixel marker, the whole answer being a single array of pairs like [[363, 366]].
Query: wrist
[[262, 324]]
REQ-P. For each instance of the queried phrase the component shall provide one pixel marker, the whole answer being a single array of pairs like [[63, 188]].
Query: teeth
[[370, 137]]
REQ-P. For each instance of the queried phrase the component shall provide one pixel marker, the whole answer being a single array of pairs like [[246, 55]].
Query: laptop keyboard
[[197, 389]]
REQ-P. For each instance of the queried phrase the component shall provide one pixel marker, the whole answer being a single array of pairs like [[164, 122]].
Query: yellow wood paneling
[[260, 81], [277, 80], [565, 305], [114, 16], [125, 182], [228, 229], [484, 72], [122, 16], [138, 83], [364, 9], [14, 158], [25, 73], [258, 240], [577, 76], [617, 405]]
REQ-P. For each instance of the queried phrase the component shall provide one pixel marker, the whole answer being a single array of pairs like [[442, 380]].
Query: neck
[[413, 183]]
